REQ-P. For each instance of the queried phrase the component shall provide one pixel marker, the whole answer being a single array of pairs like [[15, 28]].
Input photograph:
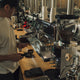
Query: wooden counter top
[[28, 63]]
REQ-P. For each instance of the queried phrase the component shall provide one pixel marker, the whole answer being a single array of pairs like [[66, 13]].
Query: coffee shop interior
[[51, 29]]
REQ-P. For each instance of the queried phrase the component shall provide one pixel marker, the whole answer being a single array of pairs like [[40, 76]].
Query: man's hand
[[22, 45], [15, 57]]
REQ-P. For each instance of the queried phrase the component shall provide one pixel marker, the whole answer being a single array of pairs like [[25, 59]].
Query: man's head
[[7, 7]]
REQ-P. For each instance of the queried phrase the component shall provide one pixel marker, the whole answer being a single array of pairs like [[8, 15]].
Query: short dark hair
[[12, 3]]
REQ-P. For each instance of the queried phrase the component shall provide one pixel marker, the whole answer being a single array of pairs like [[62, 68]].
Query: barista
[[9, 57]]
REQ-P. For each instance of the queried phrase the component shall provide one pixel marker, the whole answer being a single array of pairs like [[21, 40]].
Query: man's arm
[[13, 57]]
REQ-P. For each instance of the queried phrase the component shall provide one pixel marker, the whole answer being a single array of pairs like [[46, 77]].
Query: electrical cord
[[64, 69], [74, 57]]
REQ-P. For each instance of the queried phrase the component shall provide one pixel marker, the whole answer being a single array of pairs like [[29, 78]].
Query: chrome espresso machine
[[58, 41]]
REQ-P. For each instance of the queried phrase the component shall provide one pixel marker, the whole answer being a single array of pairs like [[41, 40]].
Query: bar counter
[[29, 63]]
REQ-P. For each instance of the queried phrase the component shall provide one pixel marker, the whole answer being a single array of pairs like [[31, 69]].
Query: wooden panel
[[79, 3], [62, 3]]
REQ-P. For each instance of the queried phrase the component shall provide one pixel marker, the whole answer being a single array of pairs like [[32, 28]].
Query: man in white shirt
[[8, 49]]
